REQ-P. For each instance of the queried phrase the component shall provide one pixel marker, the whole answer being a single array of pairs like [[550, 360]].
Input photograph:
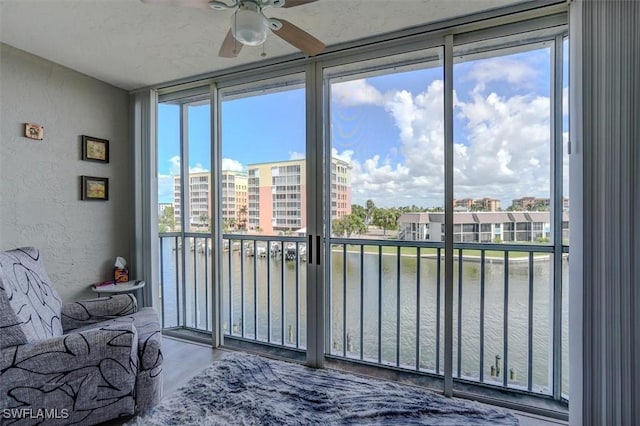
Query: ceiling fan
[[249, 25]]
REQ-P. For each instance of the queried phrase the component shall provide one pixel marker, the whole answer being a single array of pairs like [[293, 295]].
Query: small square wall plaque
[[33, 131]]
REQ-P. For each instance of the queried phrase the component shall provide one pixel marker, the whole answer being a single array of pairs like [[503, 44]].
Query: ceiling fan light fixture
[[248, 26]]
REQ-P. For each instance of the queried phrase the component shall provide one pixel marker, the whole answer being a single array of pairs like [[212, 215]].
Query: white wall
[[40, 180]]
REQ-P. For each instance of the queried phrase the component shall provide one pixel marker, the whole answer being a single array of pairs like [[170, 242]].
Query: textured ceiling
[[130, 44]]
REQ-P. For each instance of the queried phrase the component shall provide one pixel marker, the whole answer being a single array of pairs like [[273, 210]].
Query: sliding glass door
[[503, 220], [386, 147], [184, 211], [263, 211], [390, 229]]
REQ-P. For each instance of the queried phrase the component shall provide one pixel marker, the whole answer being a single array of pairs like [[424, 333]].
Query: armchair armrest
[[87, 312], [75, 374]]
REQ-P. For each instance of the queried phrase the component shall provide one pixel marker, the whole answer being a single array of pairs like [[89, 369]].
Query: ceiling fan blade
[[294, 3], [199, 4], [299, 38], [230, 46]]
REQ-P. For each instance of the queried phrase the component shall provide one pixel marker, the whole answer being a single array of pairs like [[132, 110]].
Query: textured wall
[[39, 180]]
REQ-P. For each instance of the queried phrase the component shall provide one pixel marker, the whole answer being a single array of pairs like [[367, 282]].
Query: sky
[[390, 128]]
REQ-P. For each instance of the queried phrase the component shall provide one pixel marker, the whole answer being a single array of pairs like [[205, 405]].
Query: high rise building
[[340, 189], [233, 196], [270, 197], [198, 202], [242, 209], [276, 195], [234, 199]]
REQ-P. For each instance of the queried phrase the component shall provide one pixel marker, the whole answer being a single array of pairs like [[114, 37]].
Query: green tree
[[354, 224], [539, 206], [359, 211], [167, 220], [349, 224], [387, 219], [338, 227], [242, 218], [205, 221], [370, 209], [478, 208]]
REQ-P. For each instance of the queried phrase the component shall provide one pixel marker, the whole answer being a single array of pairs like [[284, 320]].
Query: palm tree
[[242, 217], [369, 209]]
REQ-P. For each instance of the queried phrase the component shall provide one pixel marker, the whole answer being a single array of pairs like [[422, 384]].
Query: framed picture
[[94, 188], [94, 149]]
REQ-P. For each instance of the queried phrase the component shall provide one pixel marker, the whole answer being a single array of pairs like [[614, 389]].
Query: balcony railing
[[385, 303]]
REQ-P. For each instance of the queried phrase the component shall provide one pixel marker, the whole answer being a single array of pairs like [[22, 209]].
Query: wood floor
[[183, 360]]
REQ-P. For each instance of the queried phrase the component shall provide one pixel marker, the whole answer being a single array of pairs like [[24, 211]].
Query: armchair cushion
[[90, 374], [149, 380], [29, 306], [149, 335], [92, 311]]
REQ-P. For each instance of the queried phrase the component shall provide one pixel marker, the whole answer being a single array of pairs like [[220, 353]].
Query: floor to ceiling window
[[386, 145], [263, 210], [185, 208], [382, 138], [502, 196]]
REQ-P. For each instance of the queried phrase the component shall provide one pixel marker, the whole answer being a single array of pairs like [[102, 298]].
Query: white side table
[[127, 287]]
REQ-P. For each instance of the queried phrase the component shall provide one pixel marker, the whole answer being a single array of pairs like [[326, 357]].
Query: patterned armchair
[[81, 363]]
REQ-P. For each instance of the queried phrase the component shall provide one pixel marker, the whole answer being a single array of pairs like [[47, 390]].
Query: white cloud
[[296, 155], [419, 179], [374, 176], [346, 155], [197, 169], [229, 164], [508, 146], [503, 69], [175, 165], [356, 92], [504, 152]]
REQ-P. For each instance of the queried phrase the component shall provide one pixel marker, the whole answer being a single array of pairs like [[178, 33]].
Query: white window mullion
[[215, 283], [556, 209], [448, 213], [316, 327]]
